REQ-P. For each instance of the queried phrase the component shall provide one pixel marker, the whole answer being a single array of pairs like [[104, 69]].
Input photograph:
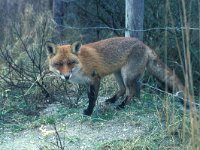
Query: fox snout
[[66, 77]]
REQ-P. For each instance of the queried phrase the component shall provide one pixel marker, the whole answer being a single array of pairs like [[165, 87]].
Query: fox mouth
[[57, 73], [65, 77]]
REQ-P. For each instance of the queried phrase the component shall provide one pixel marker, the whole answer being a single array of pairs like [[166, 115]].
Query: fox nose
[[67, 77]]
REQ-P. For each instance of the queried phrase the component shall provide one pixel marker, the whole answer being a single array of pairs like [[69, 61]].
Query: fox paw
[[121, 106], [87, 112], [111, 100], [108, 101]]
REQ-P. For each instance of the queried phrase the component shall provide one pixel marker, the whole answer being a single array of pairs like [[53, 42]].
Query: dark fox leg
[[92, 95], [121, 91], [137, 86], [132, 89]]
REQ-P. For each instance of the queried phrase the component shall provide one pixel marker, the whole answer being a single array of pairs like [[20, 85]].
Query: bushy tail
[[164, 74]]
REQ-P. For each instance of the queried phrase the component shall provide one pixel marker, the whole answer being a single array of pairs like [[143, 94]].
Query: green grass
[[161, 117], [159, 134]]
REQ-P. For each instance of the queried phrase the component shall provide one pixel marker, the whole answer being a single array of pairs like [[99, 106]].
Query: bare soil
[[76, 132]]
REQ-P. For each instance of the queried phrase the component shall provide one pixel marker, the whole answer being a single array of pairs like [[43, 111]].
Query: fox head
[[64, 61]]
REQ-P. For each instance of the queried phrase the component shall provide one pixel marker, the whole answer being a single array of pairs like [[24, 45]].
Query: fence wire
[[133, 30]]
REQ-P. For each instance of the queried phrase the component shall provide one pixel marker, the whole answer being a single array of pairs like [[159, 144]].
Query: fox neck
[[78, 76]]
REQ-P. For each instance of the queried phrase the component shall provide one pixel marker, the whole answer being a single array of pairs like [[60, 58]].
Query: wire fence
[[64, 28], [133, 30]]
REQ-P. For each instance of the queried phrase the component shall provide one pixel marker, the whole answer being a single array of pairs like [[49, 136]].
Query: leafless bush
[[23, 64]]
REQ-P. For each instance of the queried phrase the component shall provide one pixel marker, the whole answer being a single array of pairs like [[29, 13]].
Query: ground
[[78, 132], [148, 124]]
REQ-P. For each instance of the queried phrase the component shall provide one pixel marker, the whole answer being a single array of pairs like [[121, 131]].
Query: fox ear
[[51, 48], [76, 47]]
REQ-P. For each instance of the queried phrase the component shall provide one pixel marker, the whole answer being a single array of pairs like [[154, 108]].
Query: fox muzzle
[[67, 77]]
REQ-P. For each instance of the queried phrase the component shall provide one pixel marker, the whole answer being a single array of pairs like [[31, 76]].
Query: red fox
[[125, 57]]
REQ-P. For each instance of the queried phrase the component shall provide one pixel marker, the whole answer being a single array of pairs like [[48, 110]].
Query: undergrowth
[[161, 117]]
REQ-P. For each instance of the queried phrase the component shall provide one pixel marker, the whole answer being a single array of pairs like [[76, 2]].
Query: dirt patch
[[75, 131]]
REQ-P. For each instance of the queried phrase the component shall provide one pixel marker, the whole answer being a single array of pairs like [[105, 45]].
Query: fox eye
[[71, 62], [59, 64]]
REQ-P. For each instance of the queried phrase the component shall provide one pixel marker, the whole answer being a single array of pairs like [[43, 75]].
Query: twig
[[59, 143], [37, 81]]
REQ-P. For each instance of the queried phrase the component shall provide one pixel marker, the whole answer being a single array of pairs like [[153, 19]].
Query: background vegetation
[[26, 25]]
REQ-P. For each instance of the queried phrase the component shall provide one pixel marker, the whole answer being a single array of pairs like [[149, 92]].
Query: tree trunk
[[134, 18], [58, 14]]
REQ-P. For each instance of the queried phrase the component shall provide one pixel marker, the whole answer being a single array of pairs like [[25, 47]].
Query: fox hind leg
[[132, 89], [121, 91], [137, 84]]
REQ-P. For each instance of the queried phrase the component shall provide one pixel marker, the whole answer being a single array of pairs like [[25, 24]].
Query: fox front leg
[[92, 95]]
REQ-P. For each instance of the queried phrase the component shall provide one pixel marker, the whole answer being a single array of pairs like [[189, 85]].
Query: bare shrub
[[23, 76]]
